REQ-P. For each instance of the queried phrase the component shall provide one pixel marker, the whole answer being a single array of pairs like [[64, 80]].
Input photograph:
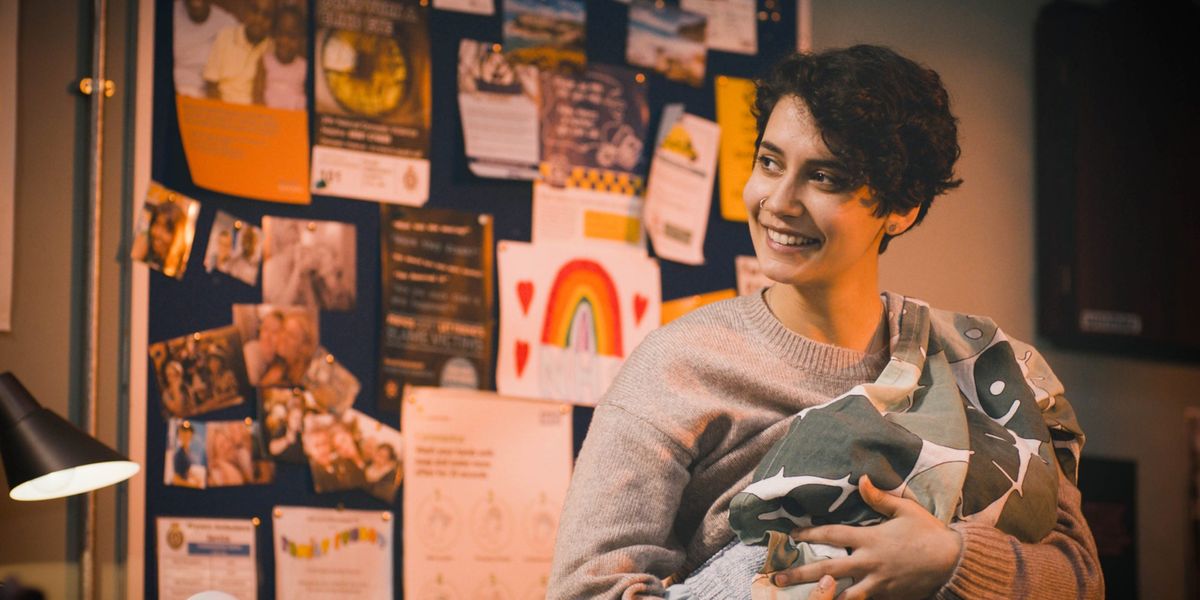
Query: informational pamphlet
[[206, 555], [437, 300], [486, 477], [325, 553], [565, 214], [570, 312], [498, 102], [739, 130], [373, 100], [594, 127], [680, 191], [240, 80]]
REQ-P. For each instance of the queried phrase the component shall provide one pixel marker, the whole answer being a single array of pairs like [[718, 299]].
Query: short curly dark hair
[[884, 116]]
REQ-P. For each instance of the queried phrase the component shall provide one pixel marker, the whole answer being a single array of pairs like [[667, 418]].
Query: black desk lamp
[[45, 456]]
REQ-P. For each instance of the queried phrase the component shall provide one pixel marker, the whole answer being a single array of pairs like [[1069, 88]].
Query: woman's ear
[[899, 222]]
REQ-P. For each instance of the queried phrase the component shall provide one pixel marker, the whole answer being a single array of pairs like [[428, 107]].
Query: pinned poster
[[326, 553], [486, 477], [546, 33], [240, 98], [668, 40], [732, 24], [373, 103], [569, 315], [750, 278], [594, 128], [437, 300], [567, 214], [680, 191], [739, 130], [497, 100], [206, 555], [475, 7]]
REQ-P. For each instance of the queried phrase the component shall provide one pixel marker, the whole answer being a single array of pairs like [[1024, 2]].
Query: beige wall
[[975, 253], [50, 181]]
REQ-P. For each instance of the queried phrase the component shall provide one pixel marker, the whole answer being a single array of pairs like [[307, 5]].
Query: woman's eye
[[826, 179], [768, 163]]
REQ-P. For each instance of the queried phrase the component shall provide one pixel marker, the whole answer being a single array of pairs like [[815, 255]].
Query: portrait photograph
[[165, 228], [382, 449], [281, 411], [186, 457], [200, 372], [332, 447], [234, 248], [236, 454], [278, 344], [242, 51], [309, 263], [332, 387]]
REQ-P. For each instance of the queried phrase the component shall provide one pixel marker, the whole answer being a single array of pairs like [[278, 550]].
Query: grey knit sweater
[[678, 434]]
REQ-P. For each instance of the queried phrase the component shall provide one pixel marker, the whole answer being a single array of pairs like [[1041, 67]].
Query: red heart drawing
[[639, 307], [525, 293], [522, 356]]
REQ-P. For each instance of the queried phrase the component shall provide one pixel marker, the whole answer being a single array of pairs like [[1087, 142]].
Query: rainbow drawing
[[583, 312]]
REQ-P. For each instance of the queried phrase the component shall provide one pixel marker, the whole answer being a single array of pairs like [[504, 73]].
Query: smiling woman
[[822, 430]]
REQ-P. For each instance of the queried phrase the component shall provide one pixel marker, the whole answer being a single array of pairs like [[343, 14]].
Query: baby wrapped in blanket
[[965, 421]]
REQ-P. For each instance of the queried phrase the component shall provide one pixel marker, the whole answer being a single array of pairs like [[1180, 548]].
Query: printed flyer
[[497, 100], [739, 130], [240, 98], [206, 555], [437, 290], [373, 104], [325, 553], [594, 128], [680, 191], [486, 477]]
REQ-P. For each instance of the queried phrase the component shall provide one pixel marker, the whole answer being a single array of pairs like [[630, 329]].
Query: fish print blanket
[[964, 420]]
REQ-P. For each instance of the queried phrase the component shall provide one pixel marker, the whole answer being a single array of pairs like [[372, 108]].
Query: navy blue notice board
[[202, 301]]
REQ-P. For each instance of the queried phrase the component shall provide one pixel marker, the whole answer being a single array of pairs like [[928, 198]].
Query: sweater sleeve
[[615, 535], [994, 565]]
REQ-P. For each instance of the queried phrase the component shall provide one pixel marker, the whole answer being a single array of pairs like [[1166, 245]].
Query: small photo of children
[[279, 342], [309, 263], [165, 229], [242, 51], [332, 386], [201, 372], [234, 248], [236, 454], [185, 459], [282, 413]]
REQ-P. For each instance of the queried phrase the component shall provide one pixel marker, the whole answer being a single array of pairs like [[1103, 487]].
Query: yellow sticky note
[[735, 97], [673, 309]]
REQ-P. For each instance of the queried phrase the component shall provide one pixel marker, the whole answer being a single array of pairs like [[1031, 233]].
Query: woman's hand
[[910, 555]]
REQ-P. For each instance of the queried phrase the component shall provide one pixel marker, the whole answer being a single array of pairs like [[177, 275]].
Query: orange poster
[[246, 150], [240, 97]]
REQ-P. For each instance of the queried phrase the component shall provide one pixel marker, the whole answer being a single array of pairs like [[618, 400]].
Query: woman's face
[[812, 230], [162, 232]]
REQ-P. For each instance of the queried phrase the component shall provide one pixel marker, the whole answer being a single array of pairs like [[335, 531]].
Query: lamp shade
[[45, 456]]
